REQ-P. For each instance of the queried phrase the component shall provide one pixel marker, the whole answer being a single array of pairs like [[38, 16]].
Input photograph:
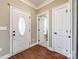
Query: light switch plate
[[3, 28], [0, 49]]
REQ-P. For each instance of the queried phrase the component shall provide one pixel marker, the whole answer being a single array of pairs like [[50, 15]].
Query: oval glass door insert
[[22, 26]]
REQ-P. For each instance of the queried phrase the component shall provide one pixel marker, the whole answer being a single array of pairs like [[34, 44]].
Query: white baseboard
[[50, 48], [8, 55], [5, 56], [33, 44]]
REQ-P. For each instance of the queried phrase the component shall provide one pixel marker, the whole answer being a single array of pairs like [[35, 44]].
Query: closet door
[[61, 43]]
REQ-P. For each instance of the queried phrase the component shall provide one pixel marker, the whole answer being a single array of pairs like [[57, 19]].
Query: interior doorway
[[43, 29]]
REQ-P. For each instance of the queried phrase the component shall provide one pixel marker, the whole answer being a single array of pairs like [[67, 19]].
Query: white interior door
[[21, 30], [61, 30], [42, 39], [60, 39], [43, 30]]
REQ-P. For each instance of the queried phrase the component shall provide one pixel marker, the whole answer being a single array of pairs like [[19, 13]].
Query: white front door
[[43, 30], [61, 29], [21, 30]]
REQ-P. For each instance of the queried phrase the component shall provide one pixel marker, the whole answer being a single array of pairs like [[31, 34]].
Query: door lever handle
[[55, 32], [69, 36]]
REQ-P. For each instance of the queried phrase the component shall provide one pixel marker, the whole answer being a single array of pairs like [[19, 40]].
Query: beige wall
[[5, 21], [49, 8]]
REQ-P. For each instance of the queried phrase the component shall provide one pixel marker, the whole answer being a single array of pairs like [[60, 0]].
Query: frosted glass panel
[[21, 26]]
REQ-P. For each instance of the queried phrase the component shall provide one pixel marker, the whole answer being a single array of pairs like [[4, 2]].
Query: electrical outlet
[[0, 49]]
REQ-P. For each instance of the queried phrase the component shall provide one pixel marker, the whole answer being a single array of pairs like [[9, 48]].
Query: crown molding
[[37, 7]]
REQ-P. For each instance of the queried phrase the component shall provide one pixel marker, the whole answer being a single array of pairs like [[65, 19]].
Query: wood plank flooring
[[38, 52]]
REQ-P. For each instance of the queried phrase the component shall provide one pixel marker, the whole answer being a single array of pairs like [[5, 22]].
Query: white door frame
[[68, 8], [42, 13], [11, 30], [11, 25]]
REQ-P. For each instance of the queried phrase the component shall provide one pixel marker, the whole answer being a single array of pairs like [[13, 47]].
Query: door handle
[[69, 36], [55, 33]]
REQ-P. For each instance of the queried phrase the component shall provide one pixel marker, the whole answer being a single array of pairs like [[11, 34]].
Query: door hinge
[[46, 39], [38, 19], [29, 30], [29, 17], [66, 50], [70, 31], [38, 40], [70, 10], [29, 43], [38, 29], [66, 31], [66, 10]]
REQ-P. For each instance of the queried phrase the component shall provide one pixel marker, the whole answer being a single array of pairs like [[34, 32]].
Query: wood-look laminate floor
[[38, 52]]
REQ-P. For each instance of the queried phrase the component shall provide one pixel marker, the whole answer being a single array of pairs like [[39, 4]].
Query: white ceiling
[[37, 3]]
